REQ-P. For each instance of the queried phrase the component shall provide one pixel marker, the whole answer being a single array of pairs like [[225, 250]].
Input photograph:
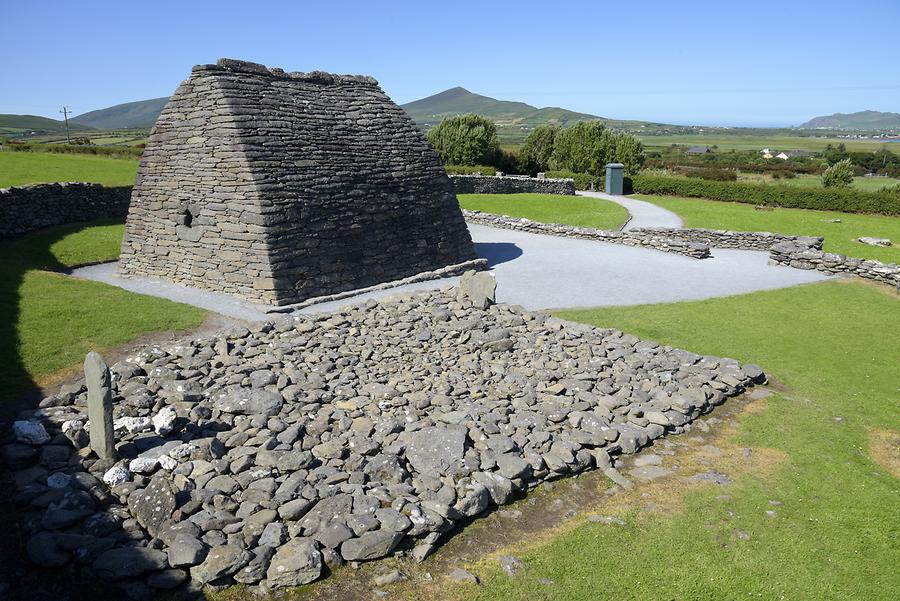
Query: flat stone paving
[[542, 272]]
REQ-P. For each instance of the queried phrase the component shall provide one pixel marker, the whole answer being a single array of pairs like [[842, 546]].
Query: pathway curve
[[544, 272], [643, 213]]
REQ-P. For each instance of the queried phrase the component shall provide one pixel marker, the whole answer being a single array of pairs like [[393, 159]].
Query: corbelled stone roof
[[278, 187]]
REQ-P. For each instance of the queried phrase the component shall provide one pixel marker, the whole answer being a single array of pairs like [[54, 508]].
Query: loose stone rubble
[[347, 436]]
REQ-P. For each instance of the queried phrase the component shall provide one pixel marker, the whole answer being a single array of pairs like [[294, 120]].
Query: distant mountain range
[[514, 119], [426, 112], [20, 124], [460, 101], [863, 120], [141, 114]]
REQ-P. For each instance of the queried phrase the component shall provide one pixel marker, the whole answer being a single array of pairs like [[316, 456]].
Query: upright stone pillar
[[100, 411]]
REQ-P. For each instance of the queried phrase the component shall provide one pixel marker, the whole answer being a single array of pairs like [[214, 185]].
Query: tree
[[839, 175], [586, 147], [538, 148], [465, 140], [629, 152]]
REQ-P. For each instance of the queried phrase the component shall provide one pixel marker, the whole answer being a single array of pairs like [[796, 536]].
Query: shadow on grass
[[17, 259]]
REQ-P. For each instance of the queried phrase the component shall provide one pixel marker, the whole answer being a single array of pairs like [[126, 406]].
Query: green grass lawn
[[839, 237], [726, 142], [549, 208], [51, 320], [835, 537], [866, 184], [17, 168]]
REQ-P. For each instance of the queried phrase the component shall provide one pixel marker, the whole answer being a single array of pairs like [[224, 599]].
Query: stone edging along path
[[646, 239], [800, 252], [260, 455]]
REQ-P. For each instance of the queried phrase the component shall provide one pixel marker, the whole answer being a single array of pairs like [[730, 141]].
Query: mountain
[[140, 114], [460, 101], [24, 124], [867, 120]]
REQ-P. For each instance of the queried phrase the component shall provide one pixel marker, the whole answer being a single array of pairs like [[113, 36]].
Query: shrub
[[588, 146], [465, 140], [470, 169], [125, 152], [839, 175], [710, 173], [825, 199]]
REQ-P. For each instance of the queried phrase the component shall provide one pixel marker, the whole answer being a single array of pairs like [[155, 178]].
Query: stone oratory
[[279, 187]]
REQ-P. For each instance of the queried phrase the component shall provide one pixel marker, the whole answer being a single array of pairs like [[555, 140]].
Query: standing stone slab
[[278, 187], [100, 409]]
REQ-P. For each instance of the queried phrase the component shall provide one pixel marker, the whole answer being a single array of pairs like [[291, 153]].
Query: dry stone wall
[[657, 240], [25, 209], [511, 184], [730, 239], [278, 187], [802, 256]]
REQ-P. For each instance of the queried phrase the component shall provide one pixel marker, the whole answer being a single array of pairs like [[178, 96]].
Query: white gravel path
[[643, 213], [543, 272]]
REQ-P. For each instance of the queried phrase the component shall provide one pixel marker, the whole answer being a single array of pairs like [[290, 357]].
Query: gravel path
[[643, 213], [542, 272]]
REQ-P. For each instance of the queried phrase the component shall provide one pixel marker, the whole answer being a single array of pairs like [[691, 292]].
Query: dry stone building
[[278, 187]]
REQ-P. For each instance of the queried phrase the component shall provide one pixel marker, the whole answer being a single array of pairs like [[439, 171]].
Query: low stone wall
[[645, 239], [800, 252], [511, 184], [25, 209], [729, 239], [802, 256]]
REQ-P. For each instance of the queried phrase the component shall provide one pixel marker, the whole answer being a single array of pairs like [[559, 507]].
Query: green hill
[[459, 101], [863, 120], [27, 124], [140, 114]]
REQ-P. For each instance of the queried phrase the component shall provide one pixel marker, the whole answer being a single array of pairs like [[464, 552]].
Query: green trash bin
[[615, 178]]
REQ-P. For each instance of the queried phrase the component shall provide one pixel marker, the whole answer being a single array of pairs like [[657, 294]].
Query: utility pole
[[65, 111]]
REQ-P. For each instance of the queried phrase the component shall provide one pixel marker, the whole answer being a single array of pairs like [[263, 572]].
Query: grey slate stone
[[370, 545], [100, 409], [297, 562]]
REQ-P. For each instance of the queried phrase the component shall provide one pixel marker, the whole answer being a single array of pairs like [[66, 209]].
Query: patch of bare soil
[[884, 447]]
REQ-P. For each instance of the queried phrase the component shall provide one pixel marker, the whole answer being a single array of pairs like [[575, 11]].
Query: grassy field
[[549, 208], [17, 168], [839, 237], [866, 184], [836, 534], [51, 320], [726, 142]]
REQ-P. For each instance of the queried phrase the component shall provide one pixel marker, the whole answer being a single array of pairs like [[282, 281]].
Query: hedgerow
[[825, 199], [470, 169]]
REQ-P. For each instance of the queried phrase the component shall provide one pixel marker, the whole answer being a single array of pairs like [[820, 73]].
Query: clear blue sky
[[737, 63]]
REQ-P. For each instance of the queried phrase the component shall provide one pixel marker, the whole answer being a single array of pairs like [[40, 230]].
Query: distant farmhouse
[[699, 150], [768, 153]]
